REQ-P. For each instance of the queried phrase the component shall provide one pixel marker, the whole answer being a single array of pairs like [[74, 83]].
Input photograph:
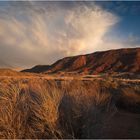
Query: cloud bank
[[33, 33]]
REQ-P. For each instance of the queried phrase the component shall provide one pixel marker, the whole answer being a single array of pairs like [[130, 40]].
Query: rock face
[[121, 60]]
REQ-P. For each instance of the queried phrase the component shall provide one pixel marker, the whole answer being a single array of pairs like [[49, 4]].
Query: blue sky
[[129, 12], [33, 32]]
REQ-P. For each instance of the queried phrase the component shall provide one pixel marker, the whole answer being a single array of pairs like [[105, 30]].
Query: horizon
[[34, 32]]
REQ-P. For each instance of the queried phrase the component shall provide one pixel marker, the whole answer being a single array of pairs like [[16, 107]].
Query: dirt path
[[122, 125]]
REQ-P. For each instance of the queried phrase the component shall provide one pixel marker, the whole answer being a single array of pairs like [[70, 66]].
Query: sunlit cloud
[[41, 34]]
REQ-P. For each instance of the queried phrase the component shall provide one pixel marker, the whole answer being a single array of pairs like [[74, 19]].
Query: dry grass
[[59, 109]]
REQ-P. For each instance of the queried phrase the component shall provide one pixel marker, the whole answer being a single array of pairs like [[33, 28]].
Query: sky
[[37, 33]]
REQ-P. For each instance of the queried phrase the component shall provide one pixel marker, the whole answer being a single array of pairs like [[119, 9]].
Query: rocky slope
[[121, 60]]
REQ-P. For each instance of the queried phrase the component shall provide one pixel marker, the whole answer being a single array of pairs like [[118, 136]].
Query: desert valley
[[89, 96], [69, 69]]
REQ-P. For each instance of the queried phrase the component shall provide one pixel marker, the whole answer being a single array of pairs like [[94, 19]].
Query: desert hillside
[[121, 60], [6, 72], [9, 72], [88, 96]]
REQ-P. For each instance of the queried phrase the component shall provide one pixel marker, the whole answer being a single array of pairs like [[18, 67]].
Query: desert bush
[[13, 111], [82, 107], [45, 98], [29, 111]]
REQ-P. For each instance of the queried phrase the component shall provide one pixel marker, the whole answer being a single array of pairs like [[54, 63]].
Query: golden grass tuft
[[39, 108]]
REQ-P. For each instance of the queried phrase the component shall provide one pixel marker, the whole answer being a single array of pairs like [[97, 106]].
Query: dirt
[[122, 125]]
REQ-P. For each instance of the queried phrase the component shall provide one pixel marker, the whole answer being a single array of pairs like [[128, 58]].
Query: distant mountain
[[121, 60], [37, 69]]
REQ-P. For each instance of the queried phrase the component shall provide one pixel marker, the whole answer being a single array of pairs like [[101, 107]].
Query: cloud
[[43, 33]]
